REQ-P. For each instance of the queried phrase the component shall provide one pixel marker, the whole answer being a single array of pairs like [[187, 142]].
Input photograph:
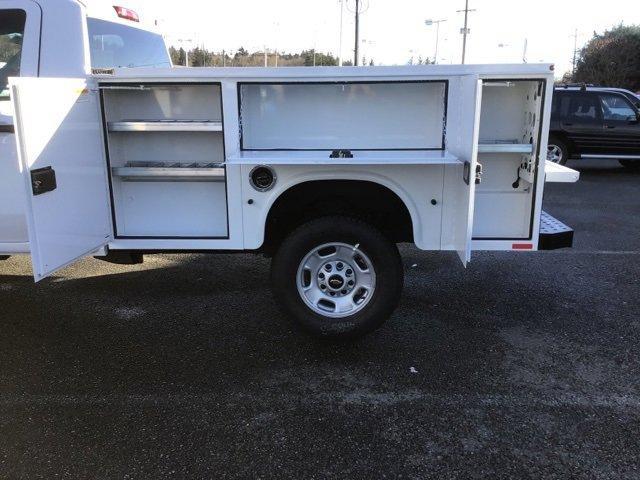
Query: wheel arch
[[562, 136], [368, 195]]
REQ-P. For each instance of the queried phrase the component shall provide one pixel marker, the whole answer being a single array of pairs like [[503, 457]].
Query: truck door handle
[[567, 124], [466, 172], [609, 126]]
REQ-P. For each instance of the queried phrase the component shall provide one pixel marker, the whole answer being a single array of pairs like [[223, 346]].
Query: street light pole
[[435, 55], [437, 22]]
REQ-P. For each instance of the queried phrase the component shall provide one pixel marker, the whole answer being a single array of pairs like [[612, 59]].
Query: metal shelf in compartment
[[490, 146], [165, 126], [170, 172]]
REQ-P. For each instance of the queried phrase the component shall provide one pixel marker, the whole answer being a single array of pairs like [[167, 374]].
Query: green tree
[[9, 47], [611, 59], [201, 57], [178, 56]]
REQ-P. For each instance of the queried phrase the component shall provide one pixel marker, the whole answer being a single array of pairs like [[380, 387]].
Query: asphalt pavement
[[526, 365]]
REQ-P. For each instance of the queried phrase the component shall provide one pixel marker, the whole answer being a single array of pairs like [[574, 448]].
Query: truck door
[[463, 129], [19, 53], [61, 151]]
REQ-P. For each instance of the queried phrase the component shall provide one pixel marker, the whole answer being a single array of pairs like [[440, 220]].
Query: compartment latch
[[341, 154], [466, 173], [43, 180]]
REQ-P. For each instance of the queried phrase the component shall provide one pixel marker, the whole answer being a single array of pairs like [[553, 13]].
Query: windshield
[[117, 46], [11, 32]]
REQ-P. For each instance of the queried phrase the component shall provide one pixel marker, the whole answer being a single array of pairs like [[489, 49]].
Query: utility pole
[[359, 8], [340, 43], [265, 55], [575, 52], [465, 30], [356, 50]]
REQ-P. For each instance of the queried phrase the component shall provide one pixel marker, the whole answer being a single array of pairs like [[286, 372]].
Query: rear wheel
[[557, 151], [337, 277], [633, 165]]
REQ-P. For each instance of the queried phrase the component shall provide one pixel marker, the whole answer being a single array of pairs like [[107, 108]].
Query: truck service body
[[325, 169]]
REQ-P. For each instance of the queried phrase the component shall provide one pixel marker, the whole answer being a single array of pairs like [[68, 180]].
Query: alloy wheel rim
[[554, 153], [336, 279]]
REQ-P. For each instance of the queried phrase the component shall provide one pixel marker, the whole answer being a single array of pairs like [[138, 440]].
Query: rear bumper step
[[122, 258], [554, 234]]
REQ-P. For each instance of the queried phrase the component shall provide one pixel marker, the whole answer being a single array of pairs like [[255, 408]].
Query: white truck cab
[[324, 169], [59, 38]]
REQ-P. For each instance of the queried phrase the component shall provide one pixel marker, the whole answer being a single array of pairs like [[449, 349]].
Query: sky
[[393, 31]]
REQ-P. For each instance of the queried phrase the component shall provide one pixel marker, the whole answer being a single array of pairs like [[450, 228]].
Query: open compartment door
[[61, 149], [463, 128]]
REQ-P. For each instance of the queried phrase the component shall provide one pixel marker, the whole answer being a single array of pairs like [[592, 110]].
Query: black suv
[[595, 122]]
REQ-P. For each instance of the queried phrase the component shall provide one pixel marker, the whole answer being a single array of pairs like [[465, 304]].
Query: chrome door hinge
[[478, 173]]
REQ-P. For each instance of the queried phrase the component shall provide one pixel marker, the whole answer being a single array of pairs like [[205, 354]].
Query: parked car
[[595, 122]]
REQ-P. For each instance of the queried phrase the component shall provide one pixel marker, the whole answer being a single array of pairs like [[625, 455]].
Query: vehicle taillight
[[522, 246], [127, 14]]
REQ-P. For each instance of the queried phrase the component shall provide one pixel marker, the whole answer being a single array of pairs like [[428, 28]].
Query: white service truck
[[324, 169]]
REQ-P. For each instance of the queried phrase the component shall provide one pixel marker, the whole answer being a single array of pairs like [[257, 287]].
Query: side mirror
[[634, 118]]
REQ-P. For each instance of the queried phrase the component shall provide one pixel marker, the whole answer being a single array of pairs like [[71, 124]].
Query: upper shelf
[[165, 126], [504, 147], [360, 157]]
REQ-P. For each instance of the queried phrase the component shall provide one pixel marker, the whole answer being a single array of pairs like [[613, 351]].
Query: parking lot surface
[[522, 366]]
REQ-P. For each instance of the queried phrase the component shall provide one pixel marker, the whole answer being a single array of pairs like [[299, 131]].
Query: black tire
[[382, 253], [632, 165], [561, 147]]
